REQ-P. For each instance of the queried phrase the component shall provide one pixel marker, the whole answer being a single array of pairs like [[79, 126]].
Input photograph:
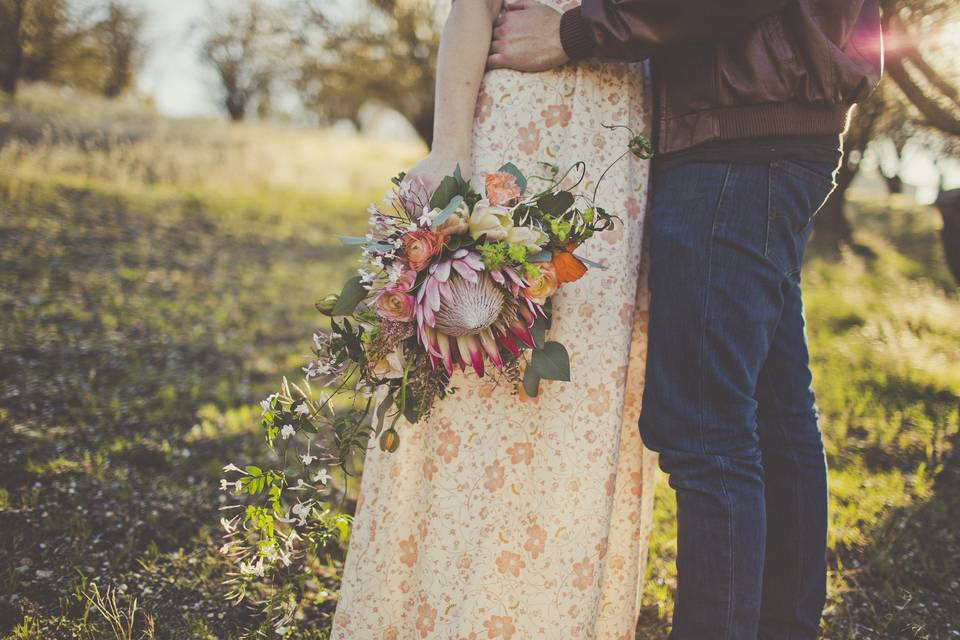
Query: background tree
[[11, 44], [32, 38], [375, 51], [918, 96], [119, 33], [244, 44]]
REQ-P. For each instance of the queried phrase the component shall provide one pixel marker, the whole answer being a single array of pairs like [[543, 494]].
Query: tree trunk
[[948, 202], [831, 222], [11, 68]]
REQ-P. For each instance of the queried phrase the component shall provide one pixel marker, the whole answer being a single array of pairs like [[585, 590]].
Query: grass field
[[157, 278]]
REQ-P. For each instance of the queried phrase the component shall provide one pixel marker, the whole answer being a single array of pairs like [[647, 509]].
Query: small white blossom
[[287, 430], [307, 458], [233, 467], [228, 486], [252, 569], [302, 409], [229, 525], [265, 404], [322, 476]]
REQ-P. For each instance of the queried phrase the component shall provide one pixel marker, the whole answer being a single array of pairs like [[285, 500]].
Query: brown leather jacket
[[728, 69]]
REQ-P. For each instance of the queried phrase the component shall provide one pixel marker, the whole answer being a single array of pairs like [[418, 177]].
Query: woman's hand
[[425, 176]]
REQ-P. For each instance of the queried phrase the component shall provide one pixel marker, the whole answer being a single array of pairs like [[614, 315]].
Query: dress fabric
[[507, 517]]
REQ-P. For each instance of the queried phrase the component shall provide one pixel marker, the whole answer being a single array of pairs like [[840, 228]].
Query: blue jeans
[[728, 402]]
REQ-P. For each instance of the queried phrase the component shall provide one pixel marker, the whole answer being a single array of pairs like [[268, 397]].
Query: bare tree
[[11, 44], [373, 51], [120, 36], [243, 45]]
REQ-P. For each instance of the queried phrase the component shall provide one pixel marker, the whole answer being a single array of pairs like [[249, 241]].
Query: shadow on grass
[[906, 584]]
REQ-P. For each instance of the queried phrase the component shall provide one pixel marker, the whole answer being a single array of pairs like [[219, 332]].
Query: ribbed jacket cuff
[[574, 38]]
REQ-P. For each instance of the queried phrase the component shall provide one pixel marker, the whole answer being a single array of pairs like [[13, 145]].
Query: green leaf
[[447, 211], [547, 308], [540, 256], [382, 412], [516, 173], [539, 332], [555, 204], [445, 192], [254, 471], [531, 382], [351, 295], [551, 362]]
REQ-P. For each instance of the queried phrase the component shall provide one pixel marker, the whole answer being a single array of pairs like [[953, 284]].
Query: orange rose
[[420, 246], [544, 285], [502, 188]]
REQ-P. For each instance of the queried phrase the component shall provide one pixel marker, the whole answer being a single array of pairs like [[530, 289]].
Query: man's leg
[[717, 275], [794, 582]]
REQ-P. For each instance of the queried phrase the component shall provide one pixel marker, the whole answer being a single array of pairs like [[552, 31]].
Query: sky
[[172, 73]]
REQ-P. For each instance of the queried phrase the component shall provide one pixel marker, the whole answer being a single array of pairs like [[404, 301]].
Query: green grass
[[157, 278]]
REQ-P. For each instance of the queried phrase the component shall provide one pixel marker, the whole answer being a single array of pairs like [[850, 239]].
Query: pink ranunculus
[[420, 246], [396, 304]]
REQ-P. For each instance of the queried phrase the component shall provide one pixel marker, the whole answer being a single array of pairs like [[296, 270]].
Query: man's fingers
[[496, 61], [496, 46]]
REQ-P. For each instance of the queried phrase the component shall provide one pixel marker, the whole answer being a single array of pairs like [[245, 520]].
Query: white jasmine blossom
[[322, 477], [287, 430], [302, 409]]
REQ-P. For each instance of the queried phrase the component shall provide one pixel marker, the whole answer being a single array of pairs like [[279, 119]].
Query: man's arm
[[636, 29]]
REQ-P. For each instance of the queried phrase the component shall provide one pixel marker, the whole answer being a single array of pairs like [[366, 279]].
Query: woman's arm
[[464, 45]]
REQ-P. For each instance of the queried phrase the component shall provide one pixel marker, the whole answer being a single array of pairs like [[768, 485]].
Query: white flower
[[301, 510], [287, 430], [302, 409], [428, 215], [322, 476], [233, 467], [490, 220], [227, 486], [529, 237], [252, 569], [229, 525], [306, 458], [391, 366], [265, 404]]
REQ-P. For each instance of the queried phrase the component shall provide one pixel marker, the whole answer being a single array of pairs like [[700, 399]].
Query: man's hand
[[526, 37]]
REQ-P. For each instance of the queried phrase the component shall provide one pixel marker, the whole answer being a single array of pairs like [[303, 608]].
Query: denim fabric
[[728, 402]]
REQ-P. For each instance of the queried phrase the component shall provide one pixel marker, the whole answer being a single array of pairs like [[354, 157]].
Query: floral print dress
[[503, 516]]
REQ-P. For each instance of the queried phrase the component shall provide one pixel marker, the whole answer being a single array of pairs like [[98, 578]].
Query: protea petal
[[527, 315], [470, 352], [443, 344], [521, 331], [465, 270], [508, 343], [490, 347], [441, 270]]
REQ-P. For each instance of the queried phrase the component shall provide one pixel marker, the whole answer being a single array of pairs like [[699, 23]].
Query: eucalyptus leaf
[[448, 210], [353, 240], [516, 173], [531, 382], [353, 292], [551, 362], [589, 263], [540, 256], [539, 332]]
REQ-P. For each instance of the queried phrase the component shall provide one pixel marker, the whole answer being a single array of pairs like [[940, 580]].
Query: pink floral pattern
[[509, 517]]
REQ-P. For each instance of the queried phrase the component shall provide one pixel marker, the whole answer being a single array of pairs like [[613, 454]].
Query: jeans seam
[[703, 448]]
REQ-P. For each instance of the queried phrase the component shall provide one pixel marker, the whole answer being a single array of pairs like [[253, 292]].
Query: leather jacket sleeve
[[633, 30]]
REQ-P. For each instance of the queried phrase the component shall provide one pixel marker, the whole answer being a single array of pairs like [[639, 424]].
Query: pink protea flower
[[464, 314]]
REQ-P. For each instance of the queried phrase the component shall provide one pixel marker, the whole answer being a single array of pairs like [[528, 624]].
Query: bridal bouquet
[[461, 280]]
